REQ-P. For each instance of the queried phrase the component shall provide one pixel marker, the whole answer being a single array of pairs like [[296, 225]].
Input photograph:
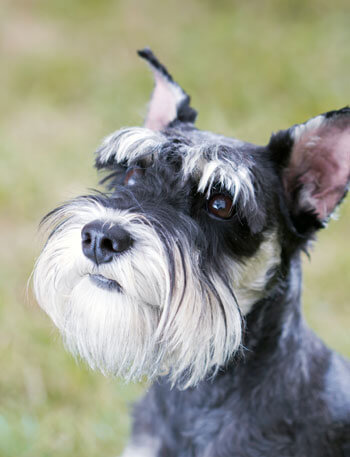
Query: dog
[[187, 270]]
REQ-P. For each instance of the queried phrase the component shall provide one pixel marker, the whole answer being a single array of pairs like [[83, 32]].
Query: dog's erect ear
[[169, 101], [314, 160]]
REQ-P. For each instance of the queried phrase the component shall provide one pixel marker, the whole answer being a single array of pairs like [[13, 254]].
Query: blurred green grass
[[69, 75]]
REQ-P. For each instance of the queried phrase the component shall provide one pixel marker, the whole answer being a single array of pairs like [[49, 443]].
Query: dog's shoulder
[[337, 388]]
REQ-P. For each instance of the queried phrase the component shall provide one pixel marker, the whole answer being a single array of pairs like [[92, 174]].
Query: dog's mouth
[[105, 283]]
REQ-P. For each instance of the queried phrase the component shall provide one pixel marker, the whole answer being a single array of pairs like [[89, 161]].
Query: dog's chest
[[224, 432], [201, 423], [220, 422]]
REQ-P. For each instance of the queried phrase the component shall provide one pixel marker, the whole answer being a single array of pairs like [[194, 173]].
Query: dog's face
[[155, 275]]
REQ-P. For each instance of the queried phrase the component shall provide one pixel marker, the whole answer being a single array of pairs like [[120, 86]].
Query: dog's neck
[[279, 350], [276, 321]]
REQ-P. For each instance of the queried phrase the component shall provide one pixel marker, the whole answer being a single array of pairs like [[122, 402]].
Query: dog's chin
[[111, 331], [117, 333]]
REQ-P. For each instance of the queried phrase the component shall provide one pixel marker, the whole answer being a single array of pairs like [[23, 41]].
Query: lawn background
[[69, 75]]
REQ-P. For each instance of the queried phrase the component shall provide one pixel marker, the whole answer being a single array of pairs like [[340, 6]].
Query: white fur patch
[[250, 279]]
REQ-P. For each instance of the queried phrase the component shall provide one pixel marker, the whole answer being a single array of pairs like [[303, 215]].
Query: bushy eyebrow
[[209, 164], [128, 145], [212, 169]]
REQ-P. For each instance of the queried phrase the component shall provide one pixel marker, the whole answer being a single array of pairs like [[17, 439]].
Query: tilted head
[[156, 274]]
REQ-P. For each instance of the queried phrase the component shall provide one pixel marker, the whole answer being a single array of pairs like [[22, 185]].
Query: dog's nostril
[[107, 244], [86, 238]]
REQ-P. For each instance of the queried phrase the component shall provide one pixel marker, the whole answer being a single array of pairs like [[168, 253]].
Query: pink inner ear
[[320, 162], [163, 104]]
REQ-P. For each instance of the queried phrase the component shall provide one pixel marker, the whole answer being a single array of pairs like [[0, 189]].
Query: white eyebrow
[[129, 144], [211, 169], [204, 162]]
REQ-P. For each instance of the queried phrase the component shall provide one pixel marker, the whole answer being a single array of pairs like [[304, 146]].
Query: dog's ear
[[169, 102], [314, 162]]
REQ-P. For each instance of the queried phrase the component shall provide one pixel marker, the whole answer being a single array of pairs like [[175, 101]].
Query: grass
[[69, 75]]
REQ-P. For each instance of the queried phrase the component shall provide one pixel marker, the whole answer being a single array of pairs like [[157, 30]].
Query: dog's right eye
[[133, 175], [220, 206]]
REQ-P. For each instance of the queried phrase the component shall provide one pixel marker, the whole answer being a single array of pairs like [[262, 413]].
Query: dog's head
[[156, 274]]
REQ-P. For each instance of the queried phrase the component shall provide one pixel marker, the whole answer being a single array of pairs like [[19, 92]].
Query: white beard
[[156, 323]]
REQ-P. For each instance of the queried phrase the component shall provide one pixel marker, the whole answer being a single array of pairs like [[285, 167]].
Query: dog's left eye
[[221, 206], [133, 175]]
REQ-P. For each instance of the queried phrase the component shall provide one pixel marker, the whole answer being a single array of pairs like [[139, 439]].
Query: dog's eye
[[133, 175], [220, 206]]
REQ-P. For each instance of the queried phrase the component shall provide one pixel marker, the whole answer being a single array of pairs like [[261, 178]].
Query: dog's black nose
[[101, 241]]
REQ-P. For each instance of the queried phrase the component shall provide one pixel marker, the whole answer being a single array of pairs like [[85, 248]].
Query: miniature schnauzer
[[187, 270]]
